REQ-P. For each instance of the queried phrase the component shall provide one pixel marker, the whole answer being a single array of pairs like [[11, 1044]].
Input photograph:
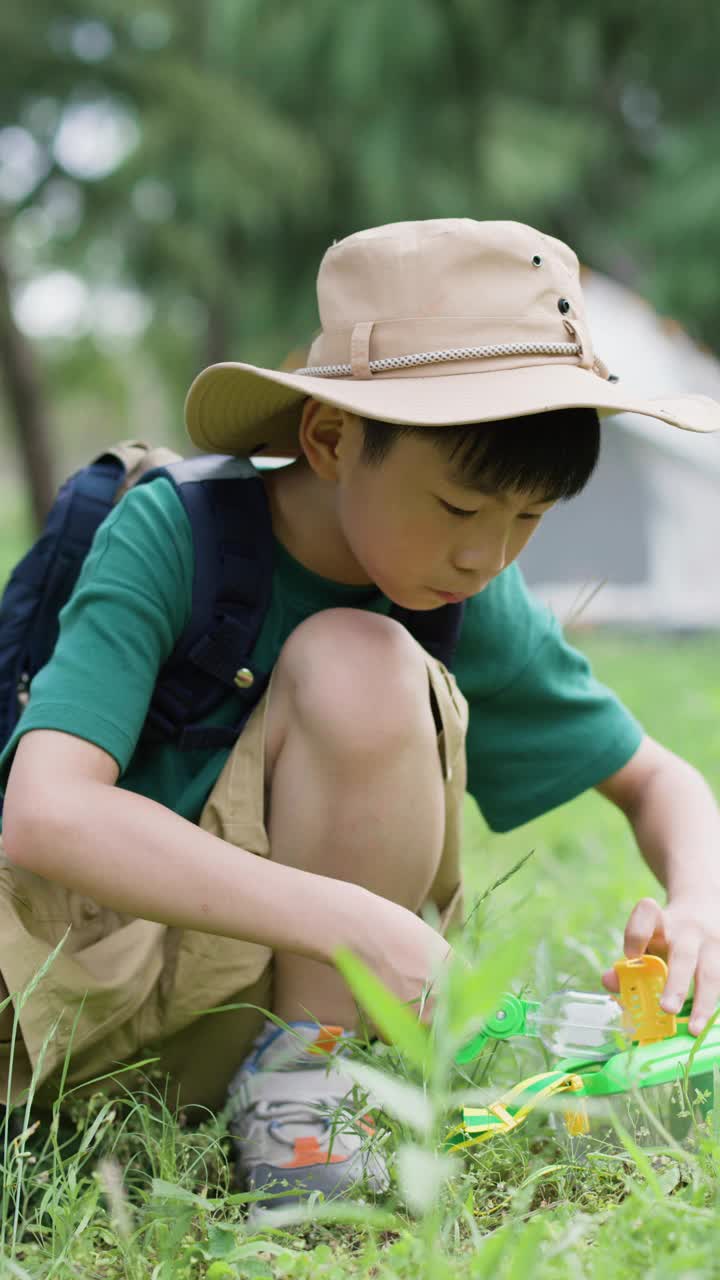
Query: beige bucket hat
[[432, 323]]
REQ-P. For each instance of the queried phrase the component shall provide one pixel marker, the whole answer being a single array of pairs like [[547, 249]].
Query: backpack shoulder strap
[[138, 458], [225, 502]]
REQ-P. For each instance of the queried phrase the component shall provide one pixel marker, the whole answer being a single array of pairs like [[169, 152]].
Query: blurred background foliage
[[171, 172]]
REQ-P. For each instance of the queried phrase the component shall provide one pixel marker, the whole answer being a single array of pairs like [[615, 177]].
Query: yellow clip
[[577, 1121], [641, 985]]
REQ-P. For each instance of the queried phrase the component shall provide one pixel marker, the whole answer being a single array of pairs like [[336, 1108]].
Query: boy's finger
[[707, 994], [645, 925], [610, 980], [683, 962]]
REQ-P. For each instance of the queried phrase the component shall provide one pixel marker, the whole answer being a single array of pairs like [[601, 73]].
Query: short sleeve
[[542, 728], [131, 602]]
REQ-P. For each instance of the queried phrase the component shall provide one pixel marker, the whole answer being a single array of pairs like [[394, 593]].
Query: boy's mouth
[[452, 597]]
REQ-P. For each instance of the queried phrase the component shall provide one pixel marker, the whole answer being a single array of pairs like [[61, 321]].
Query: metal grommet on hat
[[537, 260], [244, 678], [563, 306]]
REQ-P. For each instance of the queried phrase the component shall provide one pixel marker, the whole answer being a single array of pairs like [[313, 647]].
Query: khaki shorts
[[122, 989]]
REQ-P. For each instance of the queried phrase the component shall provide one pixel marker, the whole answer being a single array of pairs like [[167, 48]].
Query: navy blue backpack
[[225, 501]]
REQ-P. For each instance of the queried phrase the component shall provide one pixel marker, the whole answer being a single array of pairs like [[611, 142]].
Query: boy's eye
[[462, 512], [531, 515]]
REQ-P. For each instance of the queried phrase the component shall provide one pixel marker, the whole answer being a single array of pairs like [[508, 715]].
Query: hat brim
[[243, 409]]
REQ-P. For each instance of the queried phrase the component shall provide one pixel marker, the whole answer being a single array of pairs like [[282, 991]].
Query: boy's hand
[[405, 952], [687, 934]]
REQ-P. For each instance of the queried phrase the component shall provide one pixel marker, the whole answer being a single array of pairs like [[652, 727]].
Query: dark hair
[[553, 453]]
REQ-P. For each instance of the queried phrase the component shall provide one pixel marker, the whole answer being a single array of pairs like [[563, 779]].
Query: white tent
[[641, 544]]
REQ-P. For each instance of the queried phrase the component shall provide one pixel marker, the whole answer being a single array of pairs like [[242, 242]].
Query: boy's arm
[[137, 856], [677, 826]]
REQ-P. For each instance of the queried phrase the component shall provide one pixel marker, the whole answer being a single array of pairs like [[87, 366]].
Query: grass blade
[[394, 1020]]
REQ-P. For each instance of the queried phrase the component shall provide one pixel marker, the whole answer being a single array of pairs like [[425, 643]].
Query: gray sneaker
[[296, 1121]]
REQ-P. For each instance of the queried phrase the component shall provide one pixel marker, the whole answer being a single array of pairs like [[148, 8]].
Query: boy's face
[[423, 538]]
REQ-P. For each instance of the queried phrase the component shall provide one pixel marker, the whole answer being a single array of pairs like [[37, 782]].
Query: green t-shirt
[[542, 729]]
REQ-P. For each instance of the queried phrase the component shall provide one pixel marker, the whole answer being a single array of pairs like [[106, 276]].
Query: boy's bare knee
[[357, 680]]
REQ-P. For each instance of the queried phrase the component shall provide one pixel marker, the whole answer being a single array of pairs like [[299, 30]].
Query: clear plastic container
[[579, 1024]]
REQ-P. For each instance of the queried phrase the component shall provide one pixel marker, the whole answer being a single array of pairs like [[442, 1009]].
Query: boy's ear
[[322, 431]]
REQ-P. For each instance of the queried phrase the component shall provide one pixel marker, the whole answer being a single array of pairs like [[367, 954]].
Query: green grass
[[123, 1189]]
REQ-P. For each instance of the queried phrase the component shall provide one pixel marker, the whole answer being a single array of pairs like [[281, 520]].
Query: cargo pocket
[[105, 969]]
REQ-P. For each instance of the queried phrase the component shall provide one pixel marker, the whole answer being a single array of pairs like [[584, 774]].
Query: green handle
[[509, 1019]]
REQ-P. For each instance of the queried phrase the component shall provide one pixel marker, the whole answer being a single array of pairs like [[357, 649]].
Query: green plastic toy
[[608, 1049]]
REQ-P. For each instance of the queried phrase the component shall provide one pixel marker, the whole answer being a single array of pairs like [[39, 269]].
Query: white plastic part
[[579, 1024]]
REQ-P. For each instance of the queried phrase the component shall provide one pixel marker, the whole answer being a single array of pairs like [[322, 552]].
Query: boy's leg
[[121, 972], [357, 781], [355, 784]]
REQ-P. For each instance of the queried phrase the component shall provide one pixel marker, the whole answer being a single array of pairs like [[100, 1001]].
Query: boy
[[449, 400]]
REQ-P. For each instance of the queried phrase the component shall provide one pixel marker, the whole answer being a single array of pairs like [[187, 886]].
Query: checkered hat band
[[445, 357]]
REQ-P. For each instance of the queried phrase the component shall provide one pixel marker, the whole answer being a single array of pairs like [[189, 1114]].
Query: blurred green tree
[[224, 145]]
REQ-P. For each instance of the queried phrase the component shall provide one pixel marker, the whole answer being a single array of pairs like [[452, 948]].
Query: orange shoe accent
[[367, 1123], [328, 1039], [307, 1151]]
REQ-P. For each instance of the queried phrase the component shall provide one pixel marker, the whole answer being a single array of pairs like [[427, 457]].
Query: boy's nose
[[482, 561]]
